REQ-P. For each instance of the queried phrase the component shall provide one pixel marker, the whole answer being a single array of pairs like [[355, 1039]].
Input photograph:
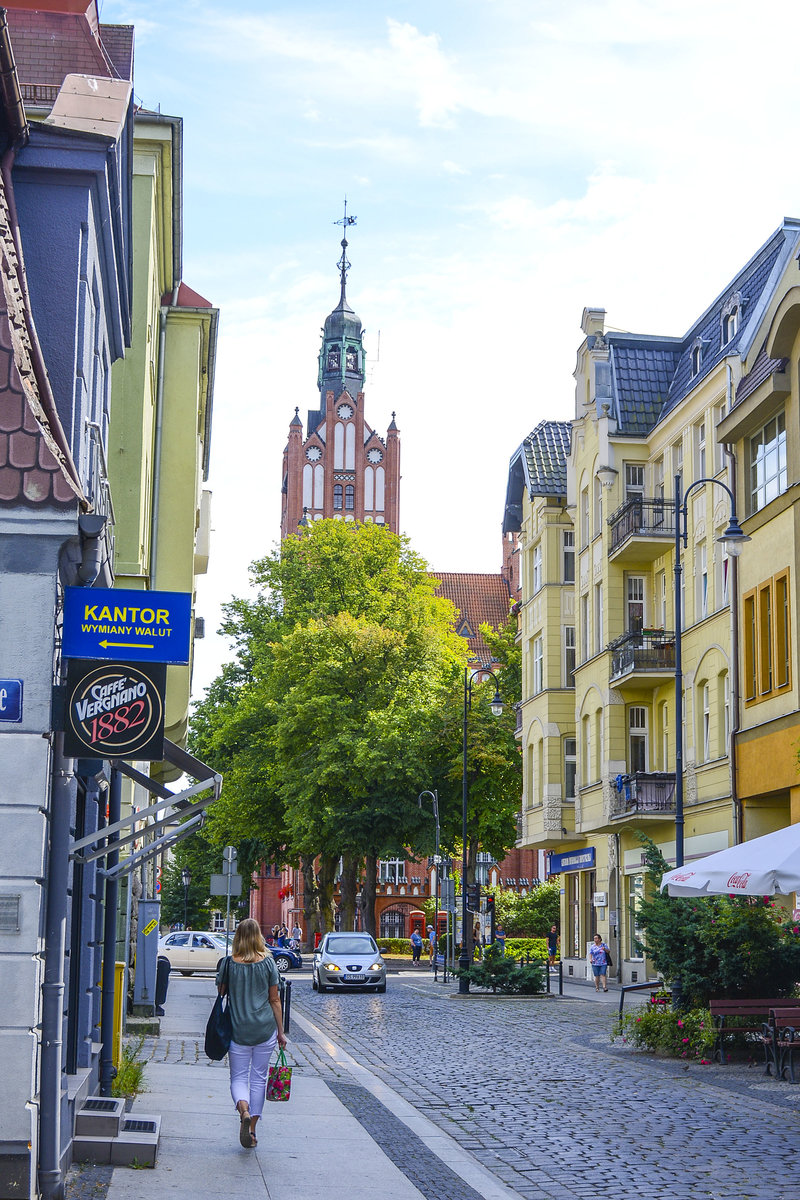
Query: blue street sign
[[573, 860], [10, 699], [127, 626]]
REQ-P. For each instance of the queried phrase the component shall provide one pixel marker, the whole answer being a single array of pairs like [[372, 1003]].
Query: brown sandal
[[245, 1136]]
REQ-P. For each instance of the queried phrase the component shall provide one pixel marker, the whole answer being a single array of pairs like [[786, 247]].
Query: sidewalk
[[314, 1142]]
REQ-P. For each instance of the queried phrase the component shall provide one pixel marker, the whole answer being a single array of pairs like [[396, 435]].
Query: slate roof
[[651, 375], [118, 43], [762, 368], [478, 598], [546, 451]]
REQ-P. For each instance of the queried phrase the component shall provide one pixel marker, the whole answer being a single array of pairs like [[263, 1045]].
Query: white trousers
[[249, 1070]]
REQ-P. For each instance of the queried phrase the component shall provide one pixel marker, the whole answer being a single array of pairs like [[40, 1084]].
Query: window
[[677, 468], [598, 618], [349, 497], [665, 760], [723, 565], [586, 750], [530, 782], [697, 358], [725, 697], [661, 600], [767, 639], [568, 550], [598, 506], [537, 665], [721, 460], [483, 863], [585, 517], [700, 449], [634, 611], [573, 938], [634, 481], [635, 884], [730, 324], [390, 870], [768, 463], [393, 923], [704, 697], [569, 656], [570, 768], [659, 480], [337, 497], [584, 626], [701, 579], [637, 739], [537, 567]]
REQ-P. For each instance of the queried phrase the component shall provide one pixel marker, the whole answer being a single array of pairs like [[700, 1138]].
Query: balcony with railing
[[518, 723], [644, 794], [642, 659], [641, 529]]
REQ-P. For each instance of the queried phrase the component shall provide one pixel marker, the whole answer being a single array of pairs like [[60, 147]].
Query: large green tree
[[344, 662]]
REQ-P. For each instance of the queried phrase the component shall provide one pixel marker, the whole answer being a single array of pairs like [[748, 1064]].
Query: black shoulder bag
[[219, 1030]]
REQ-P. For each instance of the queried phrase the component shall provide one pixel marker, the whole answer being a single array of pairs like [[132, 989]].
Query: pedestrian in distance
[[431, 945], [297, 935], [416, 946], [599, 957], [283, 934], [552, 946], [251, 979], [500, 938]]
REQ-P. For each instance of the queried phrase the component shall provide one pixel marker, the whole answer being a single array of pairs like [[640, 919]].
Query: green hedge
[[534, 947], [396, 946]]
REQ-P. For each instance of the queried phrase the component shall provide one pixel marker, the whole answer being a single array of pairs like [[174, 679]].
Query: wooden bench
[[756, 1012], [781, 1040]]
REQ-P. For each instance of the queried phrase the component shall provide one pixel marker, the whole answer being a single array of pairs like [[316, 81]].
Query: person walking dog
[[251, 980]]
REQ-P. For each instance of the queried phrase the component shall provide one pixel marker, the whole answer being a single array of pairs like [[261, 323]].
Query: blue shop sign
[[127, 626], [573, 860], [10, 699]]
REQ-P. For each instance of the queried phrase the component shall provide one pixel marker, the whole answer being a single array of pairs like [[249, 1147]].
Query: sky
[[509, 162]]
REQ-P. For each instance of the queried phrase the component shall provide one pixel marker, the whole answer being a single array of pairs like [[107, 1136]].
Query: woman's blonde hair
[[248, 941]]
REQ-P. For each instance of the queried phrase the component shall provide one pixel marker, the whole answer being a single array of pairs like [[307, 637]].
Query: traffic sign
[[220, 885], [127, 625]]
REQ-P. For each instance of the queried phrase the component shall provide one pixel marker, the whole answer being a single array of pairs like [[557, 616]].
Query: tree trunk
[[351, 869], [325, 880], [369, 891], [310, 901]]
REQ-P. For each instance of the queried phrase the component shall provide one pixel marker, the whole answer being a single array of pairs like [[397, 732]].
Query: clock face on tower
[[313, 454], [344, 412], [374, 455]]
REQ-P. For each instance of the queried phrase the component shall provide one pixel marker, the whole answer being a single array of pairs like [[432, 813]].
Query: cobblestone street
[[537, 1092]]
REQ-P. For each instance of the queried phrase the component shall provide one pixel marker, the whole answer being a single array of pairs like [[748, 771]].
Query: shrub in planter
[[661, 1030], [500, 973]]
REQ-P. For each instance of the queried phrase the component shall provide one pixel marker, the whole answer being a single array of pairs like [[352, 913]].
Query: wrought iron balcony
[[518, 714], [643, 794], [642, 654], [640, 527]]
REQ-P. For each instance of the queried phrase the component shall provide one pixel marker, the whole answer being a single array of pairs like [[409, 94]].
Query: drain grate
[[134, 1126], [98, 1105]]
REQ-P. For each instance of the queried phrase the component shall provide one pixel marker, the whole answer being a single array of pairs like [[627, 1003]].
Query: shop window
[[635, 889]]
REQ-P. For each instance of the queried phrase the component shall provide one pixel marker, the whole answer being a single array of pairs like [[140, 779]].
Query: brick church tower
[[340, 467]]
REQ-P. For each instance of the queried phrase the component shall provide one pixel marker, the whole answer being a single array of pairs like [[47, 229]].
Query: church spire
[[344, 263]]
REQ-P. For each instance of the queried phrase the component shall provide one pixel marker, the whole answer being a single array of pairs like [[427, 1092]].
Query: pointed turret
[[341, 358]]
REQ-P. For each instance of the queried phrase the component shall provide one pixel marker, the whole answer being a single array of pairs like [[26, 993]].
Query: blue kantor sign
[[126, 625], [10, 699]]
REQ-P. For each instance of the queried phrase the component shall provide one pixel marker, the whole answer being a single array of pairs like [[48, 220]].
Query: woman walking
[[598, 957], [251, 980]]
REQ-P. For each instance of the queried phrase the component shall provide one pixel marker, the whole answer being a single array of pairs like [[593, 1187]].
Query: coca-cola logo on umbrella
[[739, 882]]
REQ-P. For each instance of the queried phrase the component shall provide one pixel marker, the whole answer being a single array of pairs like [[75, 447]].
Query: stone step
[[137, 1142], [100, 1117]]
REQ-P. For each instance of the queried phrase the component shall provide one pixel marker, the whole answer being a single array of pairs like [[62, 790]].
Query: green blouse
[[252, 1017]]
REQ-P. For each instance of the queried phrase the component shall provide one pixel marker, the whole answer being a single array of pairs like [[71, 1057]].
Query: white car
[[190, 950], [348, 960]]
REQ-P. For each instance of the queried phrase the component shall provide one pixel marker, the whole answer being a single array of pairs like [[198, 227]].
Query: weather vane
[[344, 263]]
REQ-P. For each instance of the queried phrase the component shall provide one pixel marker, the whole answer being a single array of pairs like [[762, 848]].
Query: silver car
[[348, 960]]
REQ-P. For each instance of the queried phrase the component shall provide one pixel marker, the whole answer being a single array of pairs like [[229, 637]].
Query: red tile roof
[[48, 46], [187, 298], [479, 599], [762, 368]]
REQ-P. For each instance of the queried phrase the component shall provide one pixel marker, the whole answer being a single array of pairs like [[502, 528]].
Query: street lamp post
[[732, 539], [497, 708], [186, 879], [434, 797]]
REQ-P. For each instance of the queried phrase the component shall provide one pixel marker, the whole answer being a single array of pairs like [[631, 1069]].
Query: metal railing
[[518, 713], [639, 517], [643, 792], [647, 650]]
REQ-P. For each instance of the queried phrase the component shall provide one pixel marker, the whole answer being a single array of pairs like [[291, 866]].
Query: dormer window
[[730, 326], [697, 358]]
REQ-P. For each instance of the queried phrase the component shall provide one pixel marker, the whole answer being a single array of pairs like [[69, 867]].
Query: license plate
[[355, 978]]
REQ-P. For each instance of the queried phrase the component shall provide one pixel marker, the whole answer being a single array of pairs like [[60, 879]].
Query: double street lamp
[[497, 708], [732, 539], [186, 879]]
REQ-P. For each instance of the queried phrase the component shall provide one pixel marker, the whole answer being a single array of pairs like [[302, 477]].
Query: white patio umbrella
[[762, 867]]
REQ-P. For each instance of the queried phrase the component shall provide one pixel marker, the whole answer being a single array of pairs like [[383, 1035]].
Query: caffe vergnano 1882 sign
[[115, 710]]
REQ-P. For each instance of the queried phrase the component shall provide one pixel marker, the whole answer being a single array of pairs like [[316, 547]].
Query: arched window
[[337, 496], [349, 497], [369, 488], [319, 486], [350, 447], [380, 481], [308, 477], [338, 446]]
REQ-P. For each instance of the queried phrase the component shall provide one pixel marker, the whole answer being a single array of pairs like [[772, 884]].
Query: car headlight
[[331, 967], [376, 967]]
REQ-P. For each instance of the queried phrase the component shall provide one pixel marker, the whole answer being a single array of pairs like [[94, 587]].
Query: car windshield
[[351, 945]]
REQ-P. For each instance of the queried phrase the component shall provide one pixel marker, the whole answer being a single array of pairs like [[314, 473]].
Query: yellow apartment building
[[714, 405]]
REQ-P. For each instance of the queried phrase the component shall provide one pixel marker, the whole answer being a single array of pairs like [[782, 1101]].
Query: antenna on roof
[[344, 263]]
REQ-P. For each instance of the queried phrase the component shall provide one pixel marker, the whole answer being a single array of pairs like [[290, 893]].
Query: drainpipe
[[738, 815], [51, 1183], [107, 1068], [162, 341], [618, 900]]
